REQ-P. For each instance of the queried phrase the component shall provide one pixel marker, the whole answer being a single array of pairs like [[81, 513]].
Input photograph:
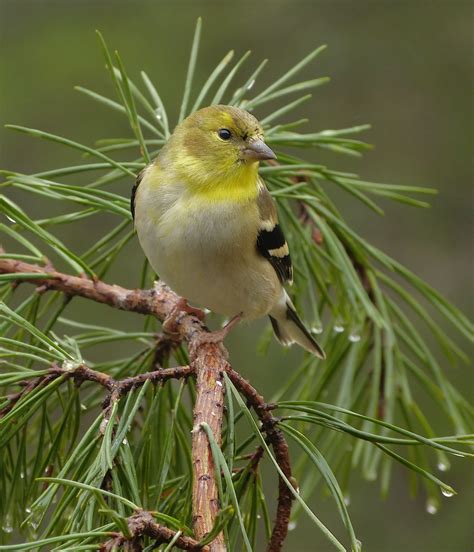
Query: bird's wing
[[139, 178], [271, 242]]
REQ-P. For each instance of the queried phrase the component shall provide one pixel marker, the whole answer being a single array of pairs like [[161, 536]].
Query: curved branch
[[123, 386], [143, 524], [159, 301], [83, 373], [282, 455]]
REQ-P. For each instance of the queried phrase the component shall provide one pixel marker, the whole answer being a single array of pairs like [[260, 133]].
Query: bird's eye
[[224, 134]]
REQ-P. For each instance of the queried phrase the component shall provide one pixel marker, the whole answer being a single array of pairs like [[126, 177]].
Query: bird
[[209, 226]]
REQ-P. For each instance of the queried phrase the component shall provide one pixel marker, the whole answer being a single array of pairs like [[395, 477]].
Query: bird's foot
[[218, 336], [170, 324], [194, 311]]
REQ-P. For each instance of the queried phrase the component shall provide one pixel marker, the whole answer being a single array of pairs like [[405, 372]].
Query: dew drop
[[447, 493], [125, 442], [259, 516], [22, 475], [68, 365], [292, 526], [347, 499], [317, 329], [11, 219], [354, 338], [443, 467], [27, 510], [7, 526], [431, 507], [338, 328], [158, 115], [34, 519], [250, 84]]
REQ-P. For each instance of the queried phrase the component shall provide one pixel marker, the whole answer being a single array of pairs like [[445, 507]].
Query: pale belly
[[206, 258]]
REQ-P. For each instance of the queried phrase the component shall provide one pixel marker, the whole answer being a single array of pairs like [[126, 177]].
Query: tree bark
[[209, 407]]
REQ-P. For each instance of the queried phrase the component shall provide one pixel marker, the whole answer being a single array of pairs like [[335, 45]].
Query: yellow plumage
[[209, 227]]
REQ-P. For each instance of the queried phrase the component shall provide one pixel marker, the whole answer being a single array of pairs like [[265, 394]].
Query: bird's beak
[[257, 150]]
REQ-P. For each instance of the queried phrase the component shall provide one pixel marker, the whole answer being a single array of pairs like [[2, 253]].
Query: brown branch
[[27, 387], [121, 387], [209, 408], [208, 362], [158, 301], [143, 524], [253, 461], [118, 388], [282, 456], [83, 373]]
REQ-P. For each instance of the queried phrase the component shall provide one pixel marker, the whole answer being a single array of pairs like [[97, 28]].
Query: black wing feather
[[134, 191], [272, 245]]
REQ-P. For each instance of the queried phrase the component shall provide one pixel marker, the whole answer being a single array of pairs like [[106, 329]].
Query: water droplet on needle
[[291, 526], [7, 526], [431, 507]]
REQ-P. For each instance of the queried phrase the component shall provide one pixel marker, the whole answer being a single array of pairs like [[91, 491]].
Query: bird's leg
[[170, 323], [219, 335]]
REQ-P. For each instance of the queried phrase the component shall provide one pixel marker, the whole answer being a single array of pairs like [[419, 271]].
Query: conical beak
[[257, 150]]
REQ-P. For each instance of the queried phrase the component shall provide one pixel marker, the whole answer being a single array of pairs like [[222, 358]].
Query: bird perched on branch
[[209, 226]]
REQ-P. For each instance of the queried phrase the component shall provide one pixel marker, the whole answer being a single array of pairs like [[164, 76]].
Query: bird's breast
[[206, 252]]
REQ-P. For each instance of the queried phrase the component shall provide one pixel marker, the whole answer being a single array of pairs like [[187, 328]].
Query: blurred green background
[[403, 66]]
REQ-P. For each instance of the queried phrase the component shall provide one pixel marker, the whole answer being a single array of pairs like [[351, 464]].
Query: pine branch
[[208, 363], [143, 524]]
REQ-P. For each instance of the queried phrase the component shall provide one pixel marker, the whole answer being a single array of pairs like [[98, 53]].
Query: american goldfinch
[[209, 226]]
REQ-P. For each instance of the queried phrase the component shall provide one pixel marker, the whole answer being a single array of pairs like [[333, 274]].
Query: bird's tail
[[290, 329]]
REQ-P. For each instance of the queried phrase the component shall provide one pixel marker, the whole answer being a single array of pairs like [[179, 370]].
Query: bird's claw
[[171, 322], [218, 336]]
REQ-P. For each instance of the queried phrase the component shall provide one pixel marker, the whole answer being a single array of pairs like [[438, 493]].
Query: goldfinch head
[[218, 146]]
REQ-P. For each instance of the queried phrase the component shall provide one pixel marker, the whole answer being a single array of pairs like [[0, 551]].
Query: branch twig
[[143, 524], [83, 373], [282, 455]]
